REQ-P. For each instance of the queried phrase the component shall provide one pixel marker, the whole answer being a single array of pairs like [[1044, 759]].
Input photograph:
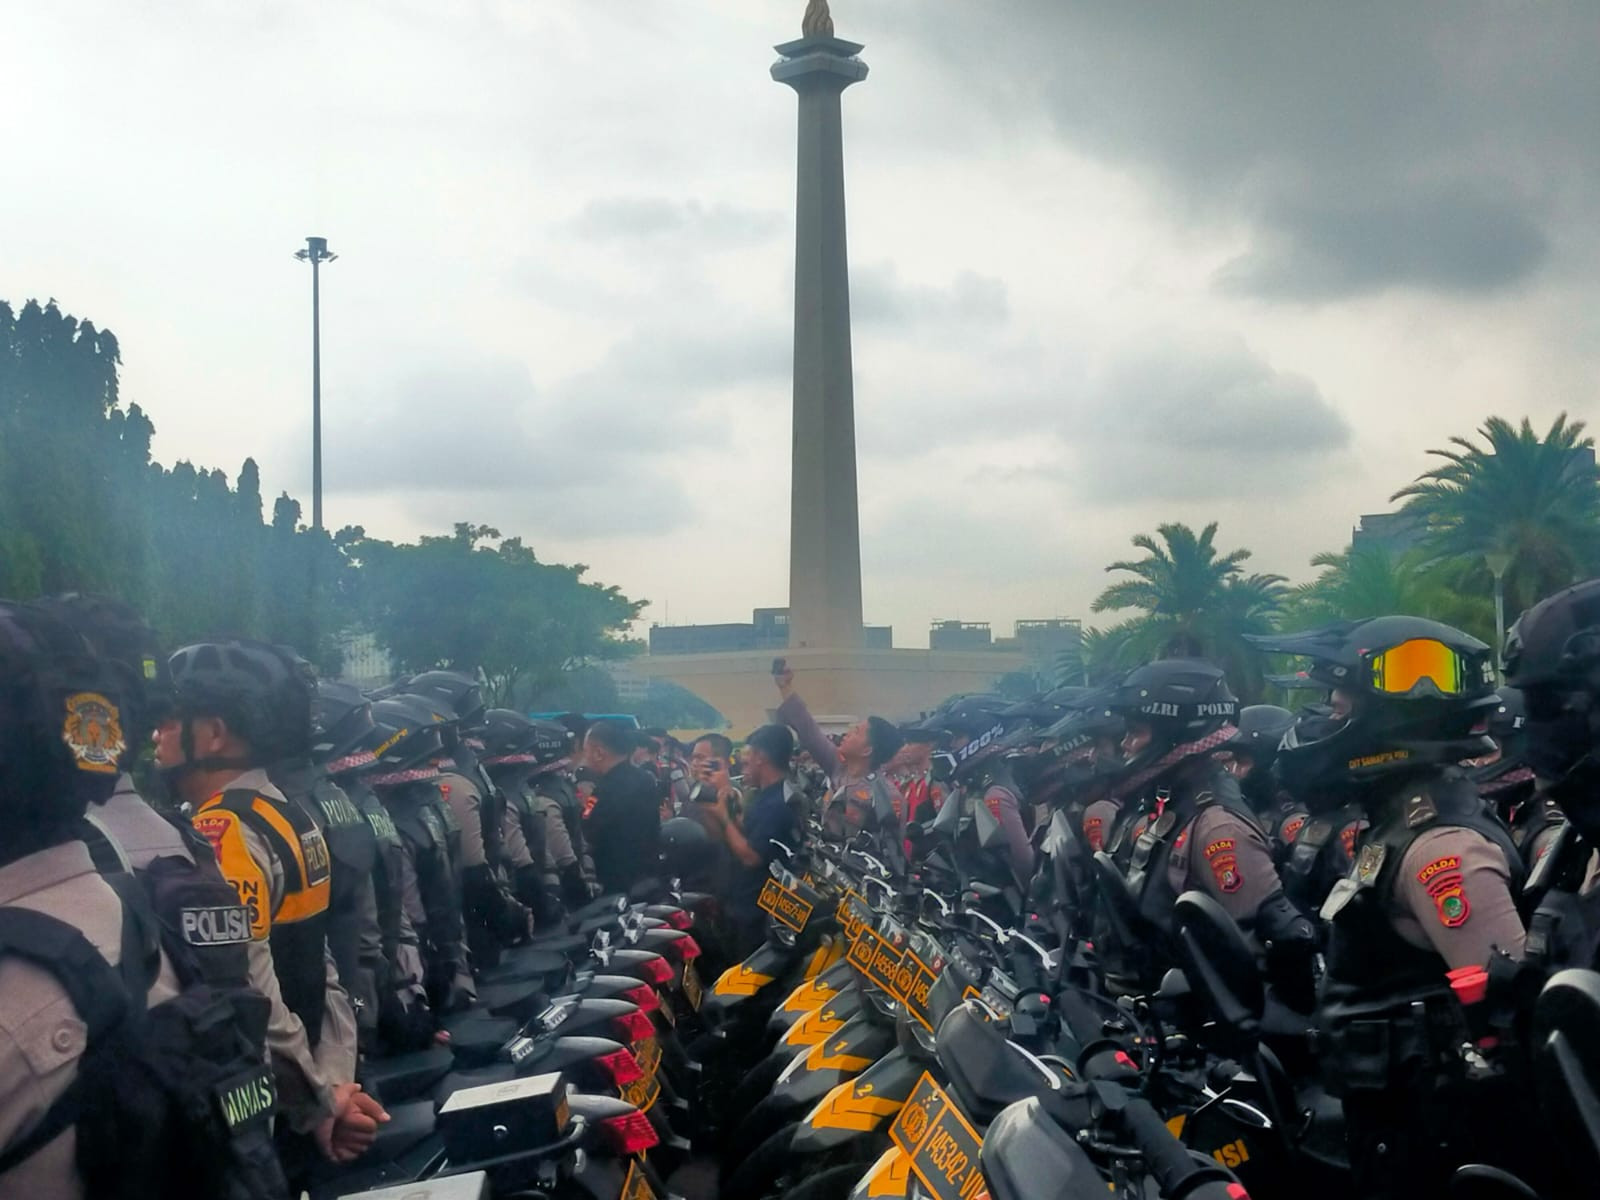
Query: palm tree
[[1372, 581], [1534, 500], [1193, 600]]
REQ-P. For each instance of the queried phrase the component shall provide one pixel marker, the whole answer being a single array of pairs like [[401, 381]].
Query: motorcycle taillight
[[686, 948], [635, 1026], [679, 919], [630, 1133], [657, 969], [644, 996], [622, 1066]]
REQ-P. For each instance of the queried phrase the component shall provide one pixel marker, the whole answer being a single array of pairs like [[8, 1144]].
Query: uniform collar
[[252, 780], [44, 868]]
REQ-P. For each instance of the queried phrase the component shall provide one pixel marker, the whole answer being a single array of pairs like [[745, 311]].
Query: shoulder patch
[[1094, 833], [1291, 829], [1442, 878], [92, 730], [1225, 867], [225, 831], [1220, 846]]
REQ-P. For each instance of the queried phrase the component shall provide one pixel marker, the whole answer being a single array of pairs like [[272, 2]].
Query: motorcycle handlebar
[[1178, 1173]]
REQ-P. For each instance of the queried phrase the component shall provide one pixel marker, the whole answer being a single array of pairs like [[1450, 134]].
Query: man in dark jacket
[[623, 827]]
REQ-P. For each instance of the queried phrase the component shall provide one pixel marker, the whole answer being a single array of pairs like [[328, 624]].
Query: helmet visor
[[1398, 670]]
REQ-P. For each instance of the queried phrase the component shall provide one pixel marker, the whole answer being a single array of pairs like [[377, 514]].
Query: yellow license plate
[[649, 1055], [692, 988]]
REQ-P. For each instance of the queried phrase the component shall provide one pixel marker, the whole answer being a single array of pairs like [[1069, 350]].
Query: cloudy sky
[[1112, 265]]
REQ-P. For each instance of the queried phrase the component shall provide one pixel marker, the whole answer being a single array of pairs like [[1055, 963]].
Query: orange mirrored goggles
[[1398, 669]]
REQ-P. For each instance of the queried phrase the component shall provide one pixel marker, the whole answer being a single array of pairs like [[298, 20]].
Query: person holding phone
[[864, 797], [750, 837]]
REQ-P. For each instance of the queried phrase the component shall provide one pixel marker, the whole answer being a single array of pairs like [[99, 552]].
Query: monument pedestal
[[840, 687]]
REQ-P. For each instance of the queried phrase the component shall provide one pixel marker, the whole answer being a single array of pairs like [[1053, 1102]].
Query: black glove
[[1290, 940], [573, 888]]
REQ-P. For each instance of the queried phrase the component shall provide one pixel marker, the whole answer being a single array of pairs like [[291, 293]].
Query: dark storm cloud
[[878, 297], [1450, 241], [650, 217], [1200, 421], [1441, 145]]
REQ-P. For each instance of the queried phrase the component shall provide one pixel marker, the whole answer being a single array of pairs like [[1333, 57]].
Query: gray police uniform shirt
[[41, 1036]]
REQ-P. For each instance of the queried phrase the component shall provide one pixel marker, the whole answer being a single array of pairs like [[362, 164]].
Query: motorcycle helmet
[[406, 744], [687, 850], [506, 736], [1407, 693], [1257, 732], [119, 634], [975, 730], [1507, 728], [1186, 705], [1553, 657], [262, 691], [341, 728], [453, 692], [62, 736], [1083, 746]]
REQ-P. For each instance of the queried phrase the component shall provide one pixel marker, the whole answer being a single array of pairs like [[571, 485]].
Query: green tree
[[1191, 600], [1535, 499], [462, 603]]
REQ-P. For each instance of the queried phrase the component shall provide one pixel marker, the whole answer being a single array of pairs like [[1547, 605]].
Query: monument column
[[824, 525]]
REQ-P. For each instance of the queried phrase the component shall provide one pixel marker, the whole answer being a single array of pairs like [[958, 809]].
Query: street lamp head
[[1498, 561], [316, 251]]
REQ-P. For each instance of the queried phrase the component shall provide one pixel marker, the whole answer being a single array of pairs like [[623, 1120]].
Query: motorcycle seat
[[477, 1036], [517, 1000], [401, 1077]]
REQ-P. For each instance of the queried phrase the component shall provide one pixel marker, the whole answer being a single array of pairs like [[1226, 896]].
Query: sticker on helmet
[[92, 730]]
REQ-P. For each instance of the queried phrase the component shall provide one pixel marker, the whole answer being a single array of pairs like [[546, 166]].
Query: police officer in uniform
[[863, 798], [494, 918], [976, 730], [1248, 756], [239, 705], [1553, 657], [407, 743], [340, 717], [1507, 782], [61, 742], [514, 747], [1427, 904], [1196, 830]]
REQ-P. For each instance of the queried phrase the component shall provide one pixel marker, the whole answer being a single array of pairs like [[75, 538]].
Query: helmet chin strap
[[191, 764]]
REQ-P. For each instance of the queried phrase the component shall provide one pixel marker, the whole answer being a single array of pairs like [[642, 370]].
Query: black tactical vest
[[386, 867], [1319, 858], [1148, 876], [1386, 1007]]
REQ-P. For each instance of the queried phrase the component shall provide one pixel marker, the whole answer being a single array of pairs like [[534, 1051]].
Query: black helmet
[[120, 635], [405, 743], [262, 691], [1082, 746], [458, 693], [341, 728], [1509, 720], [1188, 706], [1418, 694], [1257, 732], [505, 735], [62, 735], [1553, 656], [976, 728], [687, 850], [427, 709]]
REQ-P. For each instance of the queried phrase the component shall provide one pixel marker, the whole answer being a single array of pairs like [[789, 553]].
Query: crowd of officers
[[1395, 848]]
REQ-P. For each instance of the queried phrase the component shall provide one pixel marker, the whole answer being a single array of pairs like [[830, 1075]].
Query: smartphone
[[779, 666]]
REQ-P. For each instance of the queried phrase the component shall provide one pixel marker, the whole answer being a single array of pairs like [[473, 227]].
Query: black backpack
[[173, 1101]]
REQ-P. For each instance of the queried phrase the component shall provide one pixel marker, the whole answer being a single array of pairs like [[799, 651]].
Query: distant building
[[1395, 532], [366, 664], [960, 635], [767, 629]]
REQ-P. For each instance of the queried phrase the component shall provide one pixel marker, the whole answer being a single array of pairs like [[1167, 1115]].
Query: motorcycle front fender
[[858, 1107], [826, 1065]]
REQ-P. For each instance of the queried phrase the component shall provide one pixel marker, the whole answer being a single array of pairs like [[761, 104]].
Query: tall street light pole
[[1498, 561], [316, 253]]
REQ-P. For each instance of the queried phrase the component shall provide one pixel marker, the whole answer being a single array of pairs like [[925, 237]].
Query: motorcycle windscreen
[[1027, 1156]]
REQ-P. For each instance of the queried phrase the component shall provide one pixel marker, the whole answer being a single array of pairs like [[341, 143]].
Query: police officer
[[1248, 756], [494, 918], [863, 798], [1507, 782], [239, 705], [1428, 902], [1553, 657], [623, 825], [1196, 830], [61, 742], [407, 743], [340, 716], [976, 730], [514, 747]]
